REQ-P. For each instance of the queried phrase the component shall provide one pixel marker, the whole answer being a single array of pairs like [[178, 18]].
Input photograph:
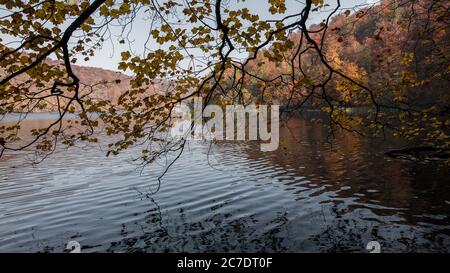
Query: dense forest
[[399, 49], [381, 47]]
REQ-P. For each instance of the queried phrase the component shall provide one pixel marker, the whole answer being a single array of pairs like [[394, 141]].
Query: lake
[[307, 196]]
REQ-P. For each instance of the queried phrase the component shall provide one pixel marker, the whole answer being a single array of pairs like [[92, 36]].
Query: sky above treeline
[[108, 56]]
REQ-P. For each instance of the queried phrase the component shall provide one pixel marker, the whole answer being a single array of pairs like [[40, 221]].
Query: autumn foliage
[[371, 69], [398, 50]]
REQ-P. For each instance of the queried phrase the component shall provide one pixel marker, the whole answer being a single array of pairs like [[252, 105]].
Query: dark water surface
[[307, 196]]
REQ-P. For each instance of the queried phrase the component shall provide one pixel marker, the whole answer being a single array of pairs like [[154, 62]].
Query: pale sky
[[108, 56]]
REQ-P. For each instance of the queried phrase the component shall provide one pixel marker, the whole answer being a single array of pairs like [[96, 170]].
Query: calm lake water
[[307, 196]]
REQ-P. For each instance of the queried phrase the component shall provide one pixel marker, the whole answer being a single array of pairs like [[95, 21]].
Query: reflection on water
[[306, 196]]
